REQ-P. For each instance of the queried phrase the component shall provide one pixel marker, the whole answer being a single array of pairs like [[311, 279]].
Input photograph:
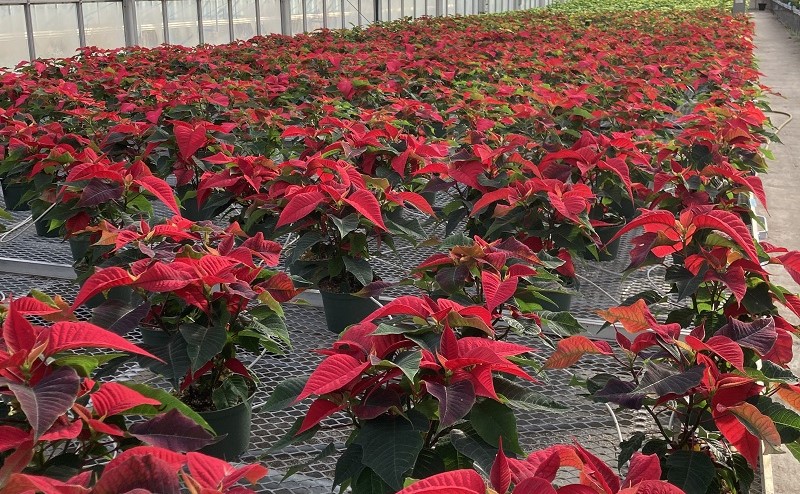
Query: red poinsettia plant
[[168, 472], [204, 292], [335, 212], [97, 189], [421, 380], [537, 474], [59, 426], [504, 276], [707, 369]]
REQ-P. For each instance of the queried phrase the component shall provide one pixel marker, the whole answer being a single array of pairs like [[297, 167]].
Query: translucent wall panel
[[182, 22], [351, 16], [56, 29], [334, 13], [408, 8], [297, 13], [151, 23], [13, 38], [215, 22], [419, 8], [313, 14], [430, 7], [102, 22], [450, 7], [270, 16], [395, 9], [244, 19]]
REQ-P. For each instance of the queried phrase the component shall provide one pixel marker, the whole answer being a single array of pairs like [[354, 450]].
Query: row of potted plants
[[467, 121]]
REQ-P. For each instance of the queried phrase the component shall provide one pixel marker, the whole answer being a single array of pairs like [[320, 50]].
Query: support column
[[286, 17], [129, 24]]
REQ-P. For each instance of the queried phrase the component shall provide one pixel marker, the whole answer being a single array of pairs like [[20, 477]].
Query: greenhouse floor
[[778, 57]]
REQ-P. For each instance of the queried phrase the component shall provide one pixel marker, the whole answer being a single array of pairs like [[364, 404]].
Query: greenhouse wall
[[43, 29]]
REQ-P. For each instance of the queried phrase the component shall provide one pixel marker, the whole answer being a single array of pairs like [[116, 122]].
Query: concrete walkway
[[778, 58]]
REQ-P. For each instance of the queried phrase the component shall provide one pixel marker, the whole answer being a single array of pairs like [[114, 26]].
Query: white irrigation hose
[[601, 289], [24, 225], [616, 422], [781, 126]]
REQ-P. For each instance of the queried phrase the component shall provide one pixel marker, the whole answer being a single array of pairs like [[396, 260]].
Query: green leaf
[[349, 465], [168, 402], [359, 268], [758, 299], [787, 421], [292, 437], [285, 393], [408, 363], [174, 362], [203, 343], [561, 323], [685, 282], [628, 447], [408, 228], [691, 471], [469, 444], [385, 329], [493, 420], [368, 482], [428, 463], [391, 446], [452, 459], [326, 452], [520, 397], [305, 242], [84, 365], [233, 390], [270, 324], [346, 225], [456, 240], [775, 372]]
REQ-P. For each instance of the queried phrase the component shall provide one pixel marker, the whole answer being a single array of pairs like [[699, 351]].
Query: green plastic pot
[[344, 309], [12, 195], [234, 424], [611, 250]]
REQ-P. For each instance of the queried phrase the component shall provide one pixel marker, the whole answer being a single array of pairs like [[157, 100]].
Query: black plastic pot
[[233, 423], [12, 195], [561, 301], [78, 246], [344, 309], [762, 6], [43, 225], [611, 250]]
